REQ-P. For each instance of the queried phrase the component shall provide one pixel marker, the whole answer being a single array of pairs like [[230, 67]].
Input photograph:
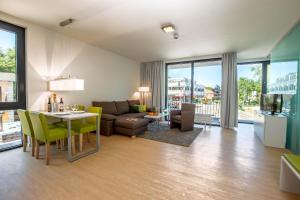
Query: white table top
[[69, 115]]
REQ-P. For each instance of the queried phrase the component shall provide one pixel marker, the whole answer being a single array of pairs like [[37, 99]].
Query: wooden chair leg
[[47, 147], [80, 142], [87, 137], [73, 145], [62, 144], [24, 142], [32, 146], [37, 149], [57, 144]]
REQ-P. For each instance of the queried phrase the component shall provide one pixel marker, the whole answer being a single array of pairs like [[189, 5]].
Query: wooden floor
[[220, 164]]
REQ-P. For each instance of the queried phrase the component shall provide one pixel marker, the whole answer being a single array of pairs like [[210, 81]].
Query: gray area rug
[[172, 136]]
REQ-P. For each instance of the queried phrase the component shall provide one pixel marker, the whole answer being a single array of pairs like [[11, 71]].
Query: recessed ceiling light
[[168, 28]]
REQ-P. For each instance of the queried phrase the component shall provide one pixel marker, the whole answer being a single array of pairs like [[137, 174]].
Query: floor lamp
[[143, 90]]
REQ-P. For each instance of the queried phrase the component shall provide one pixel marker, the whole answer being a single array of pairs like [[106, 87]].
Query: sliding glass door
[[198, 82], [207, 89], [179, 84], [12, 83]]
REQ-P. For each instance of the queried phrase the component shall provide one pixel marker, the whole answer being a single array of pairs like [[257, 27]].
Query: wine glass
[[74, 107]]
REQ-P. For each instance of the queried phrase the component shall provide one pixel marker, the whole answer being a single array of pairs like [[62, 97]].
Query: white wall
[[107, 76]]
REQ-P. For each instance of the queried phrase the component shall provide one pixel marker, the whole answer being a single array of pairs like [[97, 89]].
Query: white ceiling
[[132, 27]]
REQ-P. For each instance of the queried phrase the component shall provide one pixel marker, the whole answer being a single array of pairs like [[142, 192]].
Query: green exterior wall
[[287, 50]]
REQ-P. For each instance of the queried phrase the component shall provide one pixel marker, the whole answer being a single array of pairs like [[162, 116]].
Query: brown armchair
[[183, 118]]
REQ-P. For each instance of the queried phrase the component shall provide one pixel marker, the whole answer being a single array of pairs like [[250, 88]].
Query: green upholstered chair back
[[93, 109], [40, 126], [25, 122], [81, 107]]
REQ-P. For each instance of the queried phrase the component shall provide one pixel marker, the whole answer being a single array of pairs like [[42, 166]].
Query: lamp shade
[[68, 84], [143, 89]]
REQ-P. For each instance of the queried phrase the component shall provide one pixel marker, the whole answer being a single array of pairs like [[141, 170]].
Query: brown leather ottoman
[[130, 126]]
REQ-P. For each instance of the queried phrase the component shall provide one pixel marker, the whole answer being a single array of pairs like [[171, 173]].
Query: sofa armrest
[[108, 117]]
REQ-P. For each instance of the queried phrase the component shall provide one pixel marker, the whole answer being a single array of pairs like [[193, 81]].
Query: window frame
[[192, 62], [20, 102], [21, 96]]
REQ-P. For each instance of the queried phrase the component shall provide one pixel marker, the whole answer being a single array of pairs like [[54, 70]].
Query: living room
[[131, 99]]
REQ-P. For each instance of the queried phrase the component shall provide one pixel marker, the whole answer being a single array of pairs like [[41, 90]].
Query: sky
[[210, 75], [7, 40]]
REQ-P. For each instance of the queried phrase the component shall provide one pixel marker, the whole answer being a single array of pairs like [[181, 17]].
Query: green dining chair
[[88, 125], [27, 130], [45, 133]]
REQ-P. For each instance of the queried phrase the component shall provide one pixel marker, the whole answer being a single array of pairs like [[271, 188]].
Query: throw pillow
[[138, 108], [142, 108], [134, 108]]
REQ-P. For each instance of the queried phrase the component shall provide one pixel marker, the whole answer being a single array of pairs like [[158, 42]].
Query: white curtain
[[152, 76], [229, 101]]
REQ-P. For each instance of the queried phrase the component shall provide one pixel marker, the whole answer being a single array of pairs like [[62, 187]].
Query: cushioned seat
[[131, 123], [130, 126], [294, 160], [56, 133], [176, 118], [135, 115], [83, 128], [108, 117]]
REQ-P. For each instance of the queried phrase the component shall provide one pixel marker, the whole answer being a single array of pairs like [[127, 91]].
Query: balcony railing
[[212, 108]]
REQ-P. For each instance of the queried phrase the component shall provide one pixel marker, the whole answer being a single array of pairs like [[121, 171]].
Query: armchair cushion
[[175, 112], [176, 118]]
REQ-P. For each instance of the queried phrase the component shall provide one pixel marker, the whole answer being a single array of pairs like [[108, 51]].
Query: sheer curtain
[[229, 101], [152, 76]]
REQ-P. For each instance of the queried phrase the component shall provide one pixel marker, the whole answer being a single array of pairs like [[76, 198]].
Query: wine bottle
[[61, 105], [49, 105]]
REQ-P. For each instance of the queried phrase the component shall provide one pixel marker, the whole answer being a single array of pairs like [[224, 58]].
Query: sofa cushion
[[176, 118], [131, 123], [133, 102], [130, 132], [108, 107], [122, 107], [294, 160], [108, 117], [134, 115]]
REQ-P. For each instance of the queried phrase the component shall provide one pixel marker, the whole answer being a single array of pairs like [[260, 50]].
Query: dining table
[[68, 117]]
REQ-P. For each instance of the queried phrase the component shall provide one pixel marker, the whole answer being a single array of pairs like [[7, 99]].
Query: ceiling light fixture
[[66, 22], [168, 28]]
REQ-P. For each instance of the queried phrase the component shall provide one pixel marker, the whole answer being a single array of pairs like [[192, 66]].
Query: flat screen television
[[272, 103]]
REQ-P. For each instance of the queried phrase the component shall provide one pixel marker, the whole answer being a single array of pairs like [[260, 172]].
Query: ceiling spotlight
[[175, 36], [168, 28], [66, 22]]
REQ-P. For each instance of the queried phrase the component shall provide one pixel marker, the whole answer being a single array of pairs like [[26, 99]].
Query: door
[[12, 83]]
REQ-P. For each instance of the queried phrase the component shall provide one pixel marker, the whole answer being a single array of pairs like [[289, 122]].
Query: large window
[[12, 83], [251, 84], [198, 82]]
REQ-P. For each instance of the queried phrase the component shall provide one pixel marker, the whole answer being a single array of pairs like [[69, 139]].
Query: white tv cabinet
[[271, 129]]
